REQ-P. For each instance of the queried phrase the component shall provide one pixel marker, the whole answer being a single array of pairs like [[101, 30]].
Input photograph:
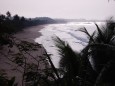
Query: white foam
[[67, 32]]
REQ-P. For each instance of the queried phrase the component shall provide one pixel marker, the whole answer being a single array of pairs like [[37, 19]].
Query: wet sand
[[29, 34]]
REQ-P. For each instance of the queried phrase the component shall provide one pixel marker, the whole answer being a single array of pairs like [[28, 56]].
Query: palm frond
[[110, 28], [87, 33], [106, 74], [70, 60], [100, 35], [91, 40]]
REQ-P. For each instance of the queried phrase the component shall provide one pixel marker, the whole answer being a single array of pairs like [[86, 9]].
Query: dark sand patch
[[29, 34]]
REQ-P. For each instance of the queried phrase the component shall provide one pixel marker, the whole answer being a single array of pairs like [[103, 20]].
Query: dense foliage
[[93, 66], [11, 24]]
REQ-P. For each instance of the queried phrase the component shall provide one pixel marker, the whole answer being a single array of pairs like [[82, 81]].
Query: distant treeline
[[11, 24]]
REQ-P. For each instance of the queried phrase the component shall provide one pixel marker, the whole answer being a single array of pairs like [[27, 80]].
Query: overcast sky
[[88, 9]]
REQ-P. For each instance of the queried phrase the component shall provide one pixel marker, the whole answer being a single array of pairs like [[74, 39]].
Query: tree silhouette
[[100, 71], [8, 15], [101, 49]]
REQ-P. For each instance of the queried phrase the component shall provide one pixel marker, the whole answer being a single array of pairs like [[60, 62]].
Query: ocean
[[68, 32]]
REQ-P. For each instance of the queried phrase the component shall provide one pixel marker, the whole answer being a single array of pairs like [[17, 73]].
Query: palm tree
[[101, 48], [70, 62], [78, 70]]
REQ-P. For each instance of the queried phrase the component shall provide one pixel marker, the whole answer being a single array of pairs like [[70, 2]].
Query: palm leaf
[[106, 75], [70, 60], [100, 35], [87, 33], [105, 34]]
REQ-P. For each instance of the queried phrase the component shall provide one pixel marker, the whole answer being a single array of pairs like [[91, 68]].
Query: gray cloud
[[98, 9]]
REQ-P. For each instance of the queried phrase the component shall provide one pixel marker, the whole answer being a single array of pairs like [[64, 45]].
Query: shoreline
[[30, 33]]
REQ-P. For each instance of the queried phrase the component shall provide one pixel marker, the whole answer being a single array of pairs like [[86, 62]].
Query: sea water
[[69, 33]]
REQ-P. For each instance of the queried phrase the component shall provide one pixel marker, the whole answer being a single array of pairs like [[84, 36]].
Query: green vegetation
[[75, 68], [100, 71], [11, 24]]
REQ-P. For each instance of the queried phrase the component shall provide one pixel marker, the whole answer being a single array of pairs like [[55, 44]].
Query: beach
[[28, 34]]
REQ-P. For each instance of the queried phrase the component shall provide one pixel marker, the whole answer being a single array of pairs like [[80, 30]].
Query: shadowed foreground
[[93, 66]]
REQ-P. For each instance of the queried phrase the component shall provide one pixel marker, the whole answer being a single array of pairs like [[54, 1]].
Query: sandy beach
[[28, 34]]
